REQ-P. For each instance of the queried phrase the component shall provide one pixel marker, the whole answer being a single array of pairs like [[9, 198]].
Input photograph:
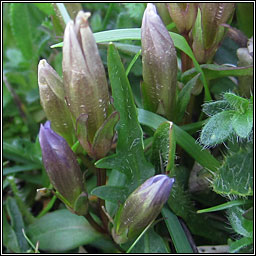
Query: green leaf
[[245, 17], [10, 239], [23, 151], [111, 193], [237, 102], [187, 142], [243, 123], [18, 168], [241, 225], [184, 97], [115, 178], [132, 63], [214, 107], [176, 231], [224, 206], [217, 129], [129, 158], [47, 8], [17, 223], [150, 242], [163, 148], [235, 246], [61, 231], [21, 29], [235, 176], [213, 71]]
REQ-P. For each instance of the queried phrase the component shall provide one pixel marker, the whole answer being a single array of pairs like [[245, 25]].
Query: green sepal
[[119, 237], [81, 204], [102, 140], [82, 132], [163, 147]]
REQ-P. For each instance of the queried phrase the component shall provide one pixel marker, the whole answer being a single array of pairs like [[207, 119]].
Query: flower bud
[[208, 30], [141, 208], [51, 92], [183, 15], [63, 169], [85, 79], [159, 64]]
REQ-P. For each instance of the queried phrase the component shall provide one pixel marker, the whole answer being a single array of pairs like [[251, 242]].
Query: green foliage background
[[29, 31]]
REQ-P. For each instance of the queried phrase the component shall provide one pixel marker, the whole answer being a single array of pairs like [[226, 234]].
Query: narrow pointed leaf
[[129, 158]]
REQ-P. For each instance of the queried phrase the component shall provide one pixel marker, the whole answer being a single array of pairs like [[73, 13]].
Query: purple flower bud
[[159, 63], [61, 165], [51, 90], [142, 207]]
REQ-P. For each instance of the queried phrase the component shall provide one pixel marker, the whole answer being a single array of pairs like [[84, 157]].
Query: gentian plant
[[139, 135]]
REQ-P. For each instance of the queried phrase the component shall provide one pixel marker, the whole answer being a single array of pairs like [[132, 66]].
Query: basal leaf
[[60, 231], [10, 240], [17, 223]]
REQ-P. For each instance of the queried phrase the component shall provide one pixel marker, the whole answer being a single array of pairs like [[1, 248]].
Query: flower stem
[[101, 180], [94, 224]]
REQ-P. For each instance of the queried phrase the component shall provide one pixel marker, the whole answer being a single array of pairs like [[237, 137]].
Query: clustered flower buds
[[141, 208], [63, 169], [86, 87], [159, 64]]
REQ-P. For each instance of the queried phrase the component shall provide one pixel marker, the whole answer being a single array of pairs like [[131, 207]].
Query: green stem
[[101, 180], [29, 218], [94, 224]]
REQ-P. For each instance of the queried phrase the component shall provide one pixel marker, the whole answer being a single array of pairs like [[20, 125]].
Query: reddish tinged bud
[[159, 63], [86, 85]]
